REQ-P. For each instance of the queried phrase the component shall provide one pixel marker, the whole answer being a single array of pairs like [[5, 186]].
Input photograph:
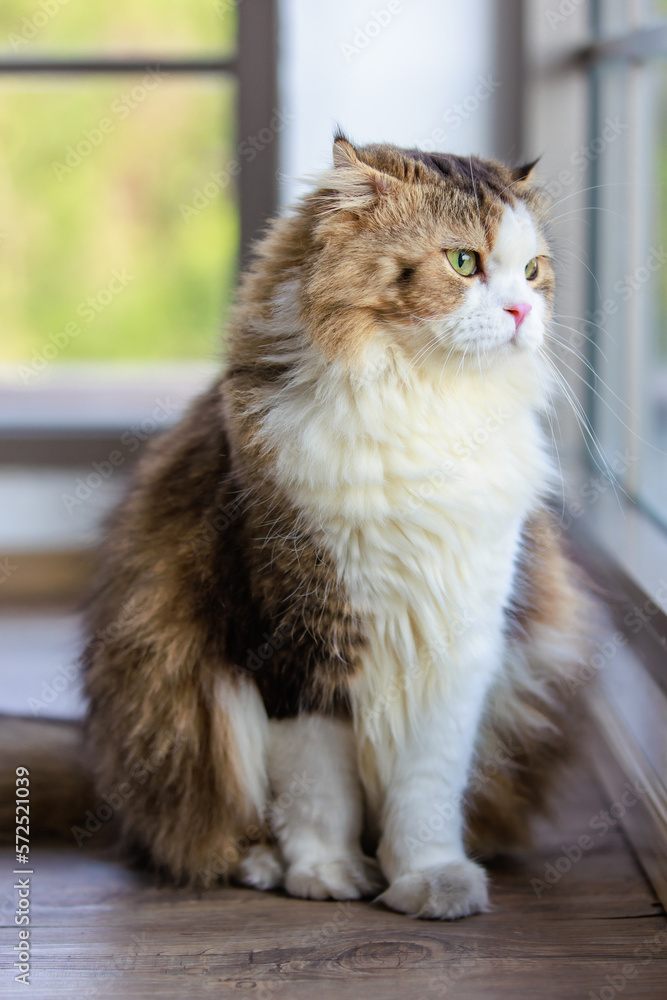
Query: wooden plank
[[332, 932], [474, 979]]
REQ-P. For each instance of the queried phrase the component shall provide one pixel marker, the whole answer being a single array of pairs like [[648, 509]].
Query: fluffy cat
[[334, 606]]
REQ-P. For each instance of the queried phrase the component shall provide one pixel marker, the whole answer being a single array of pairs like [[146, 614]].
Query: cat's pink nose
[[519, 311]]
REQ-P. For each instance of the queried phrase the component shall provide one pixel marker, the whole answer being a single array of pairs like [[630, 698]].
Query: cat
[[334, 608]]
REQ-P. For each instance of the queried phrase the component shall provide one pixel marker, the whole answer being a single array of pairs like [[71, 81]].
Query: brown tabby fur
[[206, 562]]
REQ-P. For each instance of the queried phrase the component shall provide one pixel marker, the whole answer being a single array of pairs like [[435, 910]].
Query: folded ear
[[358, 182], [523, 173]]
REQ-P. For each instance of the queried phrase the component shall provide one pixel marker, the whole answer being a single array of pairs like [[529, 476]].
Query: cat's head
[[438, 253]]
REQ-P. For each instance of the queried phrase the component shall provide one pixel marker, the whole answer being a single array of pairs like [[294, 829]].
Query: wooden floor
[[101, 931]]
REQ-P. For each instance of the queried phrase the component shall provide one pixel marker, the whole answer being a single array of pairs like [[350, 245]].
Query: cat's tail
[[49, 753]]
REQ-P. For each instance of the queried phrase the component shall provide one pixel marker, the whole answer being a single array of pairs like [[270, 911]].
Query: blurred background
[[144, 144]]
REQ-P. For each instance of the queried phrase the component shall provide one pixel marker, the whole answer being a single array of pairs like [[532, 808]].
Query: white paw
[[445, 892], [261, 868], [349, 878]]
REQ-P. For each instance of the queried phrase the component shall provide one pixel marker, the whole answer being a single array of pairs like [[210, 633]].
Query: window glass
[[118, 218], [655, 9], [614, 17]]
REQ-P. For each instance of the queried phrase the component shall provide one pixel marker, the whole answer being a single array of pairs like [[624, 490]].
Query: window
[[111, 249], [138, 159]]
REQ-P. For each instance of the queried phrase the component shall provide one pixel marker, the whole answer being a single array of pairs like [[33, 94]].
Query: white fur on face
[[481, 323]]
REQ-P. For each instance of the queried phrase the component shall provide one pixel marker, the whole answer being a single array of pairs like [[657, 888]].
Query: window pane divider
[[117, 64]]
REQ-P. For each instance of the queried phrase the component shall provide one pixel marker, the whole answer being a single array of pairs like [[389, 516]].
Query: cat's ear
[[344, 153], [524, 172], [355, 179]]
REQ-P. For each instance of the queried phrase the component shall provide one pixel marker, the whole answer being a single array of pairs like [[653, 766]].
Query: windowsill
[[75, 414], [91, 397]]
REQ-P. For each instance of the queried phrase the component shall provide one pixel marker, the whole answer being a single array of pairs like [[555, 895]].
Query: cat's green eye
[[531, 269], [466, 262]]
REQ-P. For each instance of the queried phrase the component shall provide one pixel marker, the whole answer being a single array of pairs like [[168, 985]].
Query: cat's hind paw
[[348, 878], [446, 892]]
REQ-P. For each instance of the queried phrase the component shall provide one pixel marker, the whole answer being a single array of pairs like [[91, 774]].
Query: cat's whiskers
[[586, 322], [602, 399], [583, 263], [583, 212], [587, 431], [579, 333], [458, 370], [563, 343], [550, 413], [453, 350], [592, 187], [479, 363], [424, 353]]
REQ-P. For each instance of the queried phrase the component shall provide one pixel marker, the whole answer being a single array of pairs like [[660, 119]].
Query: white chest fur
[[418, 488]]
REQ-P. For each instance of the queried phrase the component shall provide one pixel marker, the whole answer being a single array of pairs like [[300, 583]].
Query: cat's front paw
[[445, 892], [261, 868], [348, 878]]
